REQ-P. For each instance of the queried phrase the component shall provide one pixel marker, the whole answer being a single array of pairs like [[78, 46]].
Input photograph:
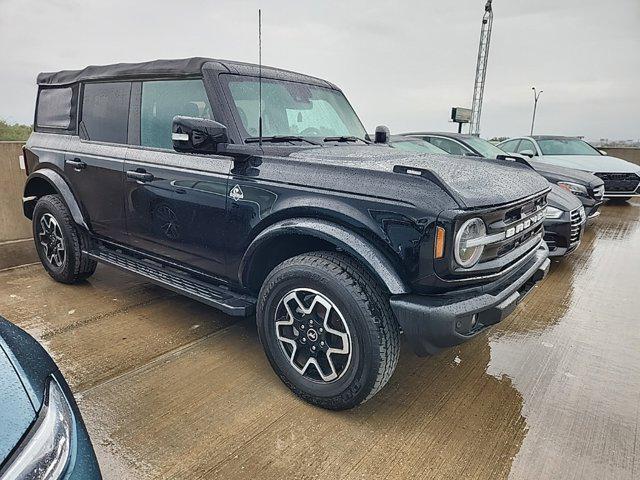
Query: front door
[[175, 203]]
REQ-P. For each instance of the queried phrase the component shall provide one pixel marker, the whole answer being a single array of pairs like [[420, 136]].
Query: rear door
[[175, 203], [94, 162]]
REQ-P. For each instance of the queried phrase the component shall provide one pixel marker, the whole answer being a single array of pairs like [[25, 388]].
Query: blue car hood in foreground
[[26, 370], [16, 410]]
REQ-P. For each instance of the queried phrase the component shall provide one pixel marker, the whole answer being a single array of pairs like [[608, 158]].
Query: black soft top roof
[[171, 68]]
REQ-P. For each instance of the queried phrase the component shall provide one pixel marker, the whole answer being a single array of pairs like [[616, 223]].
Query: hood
[[24, 370], [16, 410], [472, 182], [555, 174], [592, 163], [563, 200]]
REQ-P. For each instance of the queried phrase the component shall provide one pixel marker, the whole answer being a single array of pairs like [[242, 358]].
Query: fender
[[339, 236], [58, 183]]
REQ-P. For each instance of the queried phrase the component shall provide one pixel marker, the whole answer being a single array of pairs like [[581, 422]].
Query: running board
[[217, 296]]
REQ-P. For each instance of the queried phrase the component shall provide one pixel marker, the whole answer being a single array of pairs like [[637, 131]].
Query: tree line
[[14, 132]]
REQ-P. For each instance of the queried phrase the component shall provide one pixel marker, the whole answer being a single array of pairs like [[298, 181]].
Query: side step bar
[[217, 296]]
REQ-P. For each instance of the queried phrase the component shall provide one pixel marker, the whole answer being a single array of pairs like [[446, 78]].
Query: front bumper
[[560, 237], [593, 210], [434, 322]]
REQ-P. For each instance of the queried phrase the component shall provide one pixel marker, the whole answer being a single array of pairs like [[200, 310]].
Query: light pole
[[536, 96]]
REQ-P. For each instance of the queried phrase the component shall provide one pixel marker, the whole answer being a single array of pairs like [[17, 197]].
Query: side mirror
[[603, 152], [197, 135], [382, 134], [528, 153]]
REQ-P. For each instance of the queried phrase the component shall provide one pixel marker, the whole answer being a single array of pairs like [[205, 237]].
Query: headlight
[[467, 256], [553, 212], [574, 188], [44, 452]]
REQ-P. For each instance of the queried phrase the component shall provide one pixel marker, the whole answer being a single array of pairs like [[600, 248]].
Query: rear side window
[[105, 111], [55, 108], [164, 99]]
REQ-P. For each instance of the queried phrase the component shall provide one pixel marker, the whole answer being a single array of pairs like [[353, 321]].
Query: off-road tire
[[366, 309], [76, 265]]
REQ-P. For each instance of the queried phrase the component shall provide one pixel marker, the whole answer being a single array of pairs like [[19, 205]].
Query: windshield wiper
[[279, 138], [345, 138]]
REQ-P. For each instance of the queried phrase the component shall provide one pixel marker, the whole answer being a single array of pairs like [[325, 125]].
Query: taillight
[[24, 164]]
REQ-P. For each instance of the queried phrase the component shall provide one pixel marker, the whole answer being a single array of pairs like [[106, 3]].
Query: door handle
[[140, 175], [77, 164]]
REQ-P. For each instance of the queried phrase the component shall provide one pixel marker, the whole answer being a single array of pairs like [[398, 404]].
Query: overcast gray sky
[[403, 64]]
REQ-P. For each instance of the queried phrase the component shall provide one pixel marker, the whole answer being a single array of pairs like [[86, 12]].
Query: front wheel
[[327, 329]]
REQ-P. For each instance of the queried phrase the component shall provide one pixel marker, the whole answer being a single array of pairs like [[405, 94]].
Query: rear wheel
[[59, 241], [327, 329]]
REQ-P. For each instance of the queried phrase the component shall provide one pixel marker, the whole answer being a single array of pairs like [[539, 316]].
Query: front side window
[[454, 148], [164, 99], [105, 111], [526, 145], [417, 146], [566, 146], [291, 109], [510, 146], [484, 147]]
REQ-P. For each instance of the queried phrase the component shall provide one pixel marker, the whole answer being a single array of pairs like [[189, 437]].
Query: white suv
[[621, 178]]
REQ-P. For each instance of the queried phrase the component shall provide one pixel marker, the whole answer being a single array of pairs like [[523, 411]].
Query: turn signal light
[[438, 250]]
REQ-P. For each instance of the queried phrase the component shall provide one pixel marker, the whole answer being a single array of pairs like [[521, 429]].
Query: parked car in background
[[565, 216], [587, 187], [334, 243], [42, 435], [621, 178]]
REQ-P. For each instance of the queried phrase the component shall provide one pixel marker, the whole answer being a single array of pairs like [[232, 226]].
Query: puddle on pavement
[[574, 355]]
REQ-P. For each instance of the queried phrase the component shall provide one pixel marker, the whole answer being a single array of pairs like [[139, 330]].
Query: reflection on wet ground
[[170, 388], [574, 355]]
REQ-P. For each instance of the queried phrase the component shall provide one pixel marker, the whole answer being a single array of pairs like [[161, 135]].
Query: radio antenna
[[260, 77]]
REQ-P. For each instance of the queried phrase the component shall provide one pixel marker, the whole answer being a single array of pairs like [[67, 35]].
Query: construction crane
[[481, 69]]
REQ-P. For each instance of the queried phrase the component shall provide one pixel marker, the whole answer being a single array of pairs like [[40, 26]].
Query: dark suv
[[258, 190]]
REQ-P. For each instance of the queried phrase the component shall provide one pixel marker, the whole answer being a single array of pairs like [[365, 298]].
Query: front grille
[[576, 225], [598, 192], [509, 220], [619, 182], [514, 233]]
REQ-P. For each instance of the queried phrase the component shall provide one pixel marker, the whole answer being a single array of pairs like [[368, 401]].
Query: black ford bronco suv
[[337, 244]]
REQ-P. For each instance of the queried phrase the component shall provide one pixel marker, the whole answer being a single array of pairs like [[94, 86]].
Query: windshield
[[486, 148], [566, 146], [418, 146], [291, 109]]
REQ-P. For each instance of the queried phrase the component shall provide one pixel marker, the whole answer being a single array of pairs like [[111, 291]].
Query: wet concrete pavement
[[170, 388]]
